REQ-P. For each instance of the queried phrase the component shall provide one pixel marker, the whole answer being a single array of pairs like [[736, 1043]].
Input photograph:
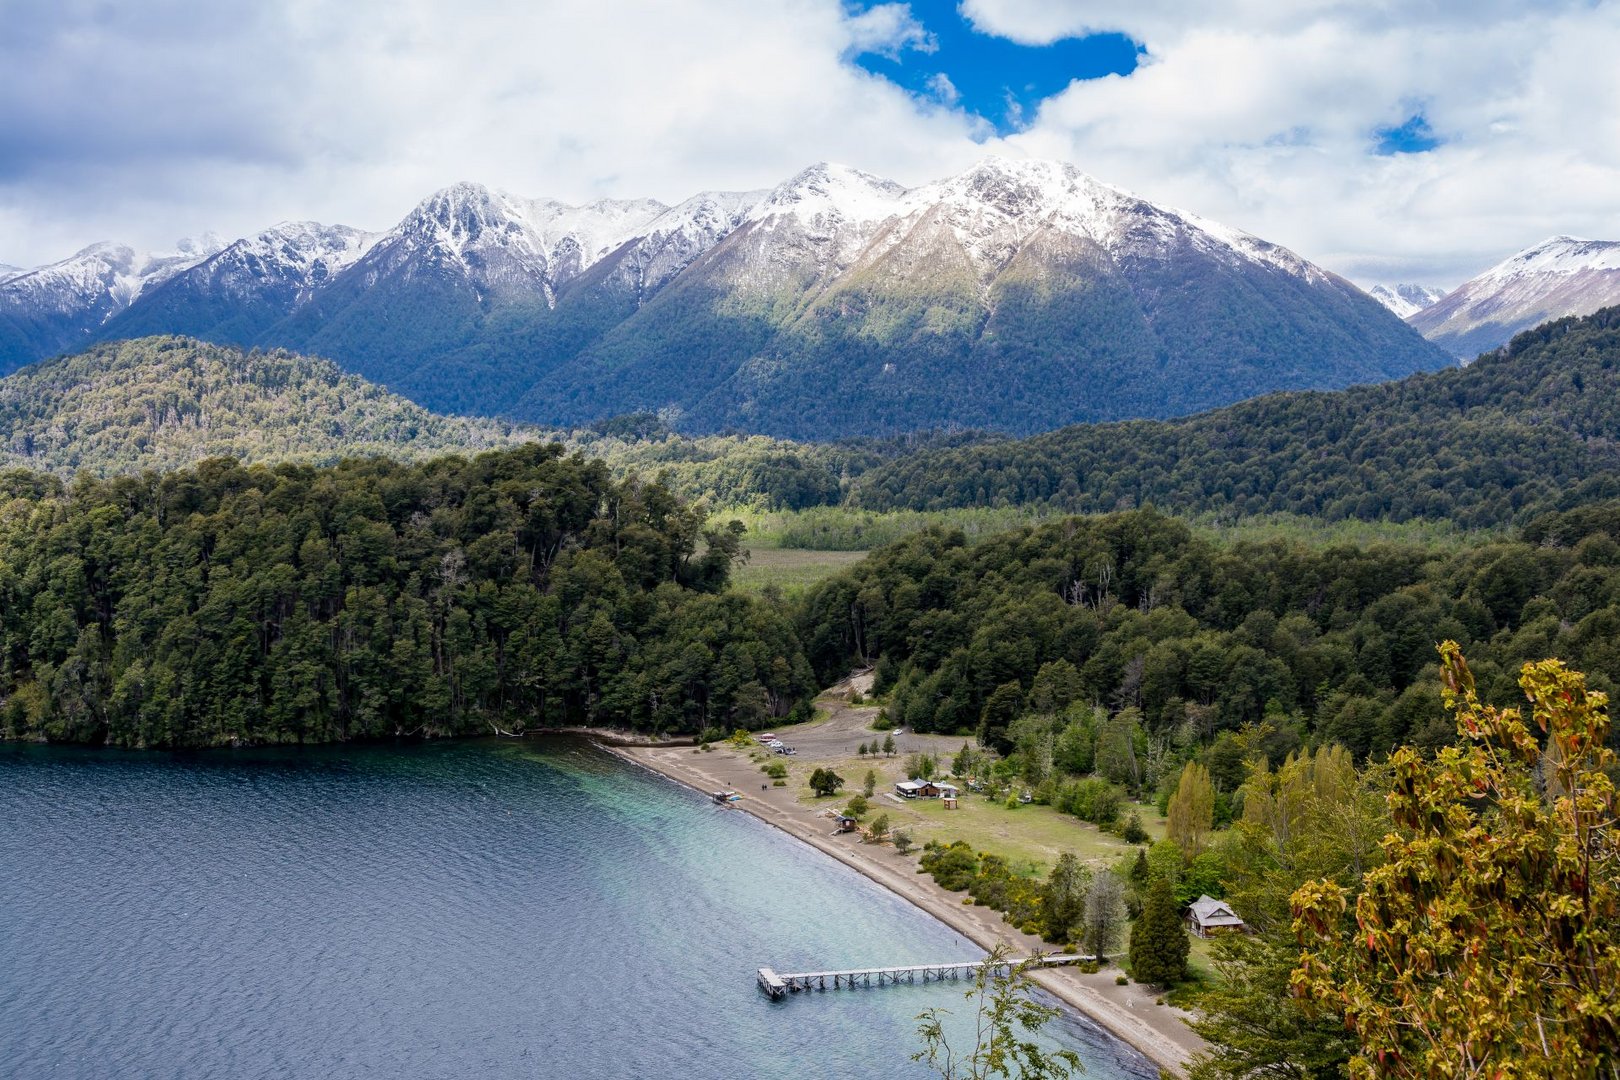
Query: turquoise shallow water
[[451, 910]]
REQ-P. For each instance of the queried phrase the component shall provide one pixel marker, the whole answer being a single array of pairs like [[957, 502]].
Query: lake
[[459, 909]]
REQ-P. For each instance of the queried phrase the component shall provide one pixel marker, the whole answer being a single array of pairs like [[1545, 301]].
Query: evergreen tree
[[1065, 898], [1256, 1026], [1159, 942], [1140, 872]]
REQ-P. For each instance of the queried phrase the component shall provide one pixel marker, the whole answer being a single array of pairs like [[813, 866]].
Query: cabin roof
[[1212, 912]]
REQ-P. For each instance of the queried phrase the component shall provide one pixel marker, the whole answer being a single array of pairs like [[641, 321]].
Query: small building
[[847, 823], [917, 789], [948, 791], [1209, 916]]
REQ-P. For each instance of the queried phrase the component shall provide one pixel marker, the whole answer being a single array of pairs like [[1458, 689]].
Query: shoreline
[[1128, 1013]]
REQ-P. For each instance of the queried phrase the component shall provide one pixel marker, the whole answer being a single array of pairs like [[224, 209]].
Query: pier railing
[[779, 986]]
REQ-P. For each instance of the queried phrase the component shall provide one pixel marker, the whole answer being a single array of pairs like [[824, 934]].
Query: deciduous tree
[[825, 782], [1065, 899], [1104, 915], [1488, 944], [1192, 809], [1006, 1021]]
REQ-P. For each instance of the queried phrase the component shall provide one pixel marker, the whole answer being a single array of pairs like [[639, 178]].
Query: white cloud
[[889, 30], [940, 85], [1263, 114], [158, 123], [142, 122]]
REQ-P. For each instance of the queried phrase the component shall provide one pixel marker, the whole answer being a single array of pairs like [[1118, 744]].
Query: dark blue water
[[456, 910]]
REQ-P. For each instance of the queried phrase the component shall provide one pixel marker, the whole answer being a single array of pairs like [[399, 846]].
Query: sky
[[1412, 141]]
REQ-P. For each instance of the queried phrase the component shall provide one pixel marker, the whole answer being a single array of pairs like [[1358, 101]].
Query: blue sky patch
[[1412, 137], [999, 80]]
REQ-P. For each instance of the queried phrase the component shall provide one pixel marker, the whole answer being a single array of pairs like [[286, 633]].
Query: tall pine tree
[[1159, 941]]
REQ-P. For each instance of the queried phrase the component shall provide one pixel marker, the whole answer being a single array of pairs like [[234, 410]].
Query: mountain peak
[[1558, 255], [828, 190], [1406, 300], [1561, 275]]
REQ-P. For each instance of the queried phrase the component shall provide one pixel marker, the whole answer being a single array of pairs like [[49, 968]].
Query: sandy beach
[[1128, 1012]]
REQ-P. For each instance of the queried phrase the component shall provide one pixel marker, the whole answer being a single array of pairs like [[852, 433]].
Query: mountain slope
[[61, 307], [456, 305], [1534, 426], [161, 403], [233, 297], [1555, 278], [1406, 300], [1016, 296]]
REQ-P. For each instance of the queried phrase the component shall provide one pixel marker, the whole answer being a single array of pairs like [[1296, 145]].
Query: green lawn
[[789, 568], [1035, 834], [1030, 835]]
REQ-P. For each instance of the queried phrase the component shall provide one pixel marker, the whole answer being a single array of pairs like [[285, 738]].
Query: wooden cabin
[[1209, 916], [917, 789]]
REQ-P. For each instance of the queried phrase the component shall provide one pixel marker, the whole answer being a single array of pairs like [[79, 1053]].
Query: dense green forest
[[167, 402], [227, 604], [162, 403], [1132, 629], [1531, 427]]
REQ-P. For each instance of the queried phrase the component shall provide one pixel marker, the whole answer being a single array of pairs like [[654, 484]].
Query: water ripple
[[431, 911]]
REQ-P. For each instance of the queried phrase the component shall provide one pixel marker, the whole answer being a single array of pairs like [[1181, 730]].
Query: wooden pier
[[780, 986]]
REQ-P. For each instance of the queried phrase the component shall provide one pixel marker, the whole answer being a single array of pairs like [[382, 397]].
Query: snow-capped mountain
[[62, 306], [675, 238], [456, 304], [1017, 295], [7, 271], [1557, 277], [1405, 300], [505, 246], [234, 296]]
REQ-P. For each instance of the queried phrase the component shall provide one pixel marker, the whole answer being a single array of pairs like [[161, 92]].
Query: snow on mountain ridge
[[1406, 300], [506, 241], [101, 280], [996, 205], [1557, 255], [679, 235], [830, 195], [1559, 277], [303, 254]]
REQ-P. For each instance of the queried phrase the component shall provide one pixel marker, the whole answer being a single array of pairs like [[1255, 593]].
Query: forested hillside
[[1177, 641], [1531, 427], [226, 604], [166, 402]]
